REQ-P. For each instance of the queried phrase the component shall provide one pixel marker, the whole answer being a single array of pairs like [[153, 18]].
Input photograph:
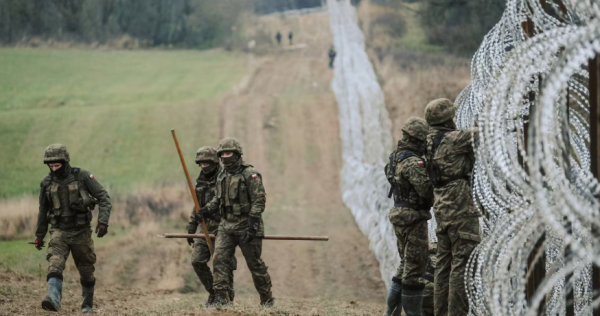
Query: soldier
[[240, 200], [67, 197], [450, 163], [206, 189], [331, 55], [290, 37], [278, 38], [413, 197]]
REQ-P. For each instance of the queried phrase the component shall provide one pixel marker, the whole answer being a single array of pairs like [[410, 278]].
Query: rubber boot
[[87, 293], [412, 300], [52, 301], [267, 300], [394, 300]]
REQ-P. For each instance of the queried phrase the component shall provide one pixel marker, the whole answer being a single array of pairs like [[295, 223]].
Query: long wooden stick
[[193, 192], [310, 238]]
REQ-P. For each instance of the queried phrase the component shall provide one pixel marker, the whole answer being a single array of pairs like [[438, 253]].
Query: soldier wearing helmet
[[67, 197], [206, 189], [413, 195], [450, 164], [240, 201]]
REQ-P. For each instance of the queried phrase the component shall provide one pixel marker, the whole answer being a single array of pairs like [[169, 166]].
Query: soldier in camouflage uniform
[[240, 201], [67, 197], [451, 158], [413, 196], [206, 189]]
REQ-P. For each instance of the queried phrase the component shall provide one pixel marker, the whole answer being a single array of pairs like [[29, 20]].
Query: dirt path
[[286, 119]]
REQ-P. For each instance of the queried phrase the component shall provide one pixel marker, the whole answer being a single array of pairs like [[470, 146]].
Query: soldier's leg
[[200, 258], [262, 281], [57, 254], [442, 271], [416, 251], [232, 267], [394, 299], [82, 246], [465, 235], [224, 250]]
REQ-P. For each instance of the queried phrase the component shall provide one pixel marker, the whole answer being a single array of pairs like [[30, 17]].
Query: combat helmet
[[229, 144], [416, 127], [56, 153], [439, 111], [207, 154]]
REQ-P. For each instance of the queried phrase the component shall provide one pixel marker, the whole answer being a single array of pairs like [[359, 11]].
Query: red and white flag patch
[[420, 163], [91, 176], [254, 176]]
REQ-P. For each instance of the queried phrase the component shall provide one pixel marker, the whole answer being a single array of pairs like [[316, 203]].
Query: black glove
[[101, 230], [190, 241], [252, 232], [39, 243]]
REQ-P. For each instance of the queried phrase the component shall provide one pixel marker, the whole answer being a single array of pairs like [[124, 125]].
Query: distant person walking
[[331, 55], [278, 38], [290, 37]]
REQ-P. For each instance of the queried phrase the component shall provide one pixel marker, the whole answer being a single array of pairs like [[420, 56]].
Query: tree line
[[180, 23]]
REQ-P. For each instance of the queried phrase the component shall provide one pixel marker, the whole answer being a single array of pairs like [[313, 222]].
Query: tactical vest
[[71, 203], [206, 190], [233, 196], [435, 174], [405, 194]]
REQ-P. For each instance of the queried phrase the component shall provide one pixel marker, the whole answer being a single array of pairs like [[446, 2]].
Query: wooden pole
[[308, 238], [193, 192]]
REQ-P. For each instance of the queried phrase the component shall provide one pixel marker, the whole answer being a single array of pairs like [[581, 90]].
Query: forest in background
[[135, 23]]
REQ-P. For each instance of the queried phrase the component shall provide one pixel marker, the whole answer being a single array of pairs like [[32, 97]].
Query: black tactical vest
[[71, 203], [405, 194]]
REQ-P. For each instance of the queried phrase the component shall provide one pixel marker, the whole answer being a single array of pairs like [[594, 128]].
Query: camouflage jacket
[[206, 190], [74, 205], [454, 159], [240, 194], [413, 182]]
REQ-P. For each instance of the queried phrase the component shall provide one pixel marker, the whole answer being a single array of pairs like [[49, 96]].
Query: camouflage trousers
[[428, 299], [225, 250], [413, 247], [79, 243], [456, 241], [200, 258]]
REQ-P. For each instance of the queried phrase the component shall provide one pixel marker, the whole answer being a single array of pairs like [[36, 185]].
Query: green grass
[[415, 38], [113, 109]]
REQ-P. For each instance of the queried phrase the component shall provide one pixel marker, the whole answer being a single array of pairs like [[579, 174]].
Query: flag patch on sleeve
[[420, 163], [254, 176], [91, 176]]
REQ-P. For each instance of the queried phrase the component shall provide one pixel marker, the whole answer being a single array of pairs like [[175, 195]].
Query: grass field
[[113, 109]]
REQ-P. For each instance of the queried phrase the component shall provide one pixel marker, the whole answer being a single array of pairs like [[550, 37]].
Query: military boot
[[52, 301], [394, 300], [412, 300], [211, 298], [220, 300], [87, 293], [267, 300]]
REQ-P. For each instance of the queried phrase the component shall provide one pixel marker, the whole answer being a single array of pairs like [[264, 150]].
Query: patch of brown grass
[[19, 216]]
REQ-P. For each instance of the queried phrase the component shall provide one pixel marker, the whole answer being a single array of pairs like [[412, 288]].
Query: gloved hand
[[252, 232], [101, 230], [190, 241], [39, 243]]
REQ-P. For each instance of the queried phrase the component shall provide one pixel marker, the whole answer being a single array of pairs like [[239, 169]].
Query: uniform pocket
[[233, 187]]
